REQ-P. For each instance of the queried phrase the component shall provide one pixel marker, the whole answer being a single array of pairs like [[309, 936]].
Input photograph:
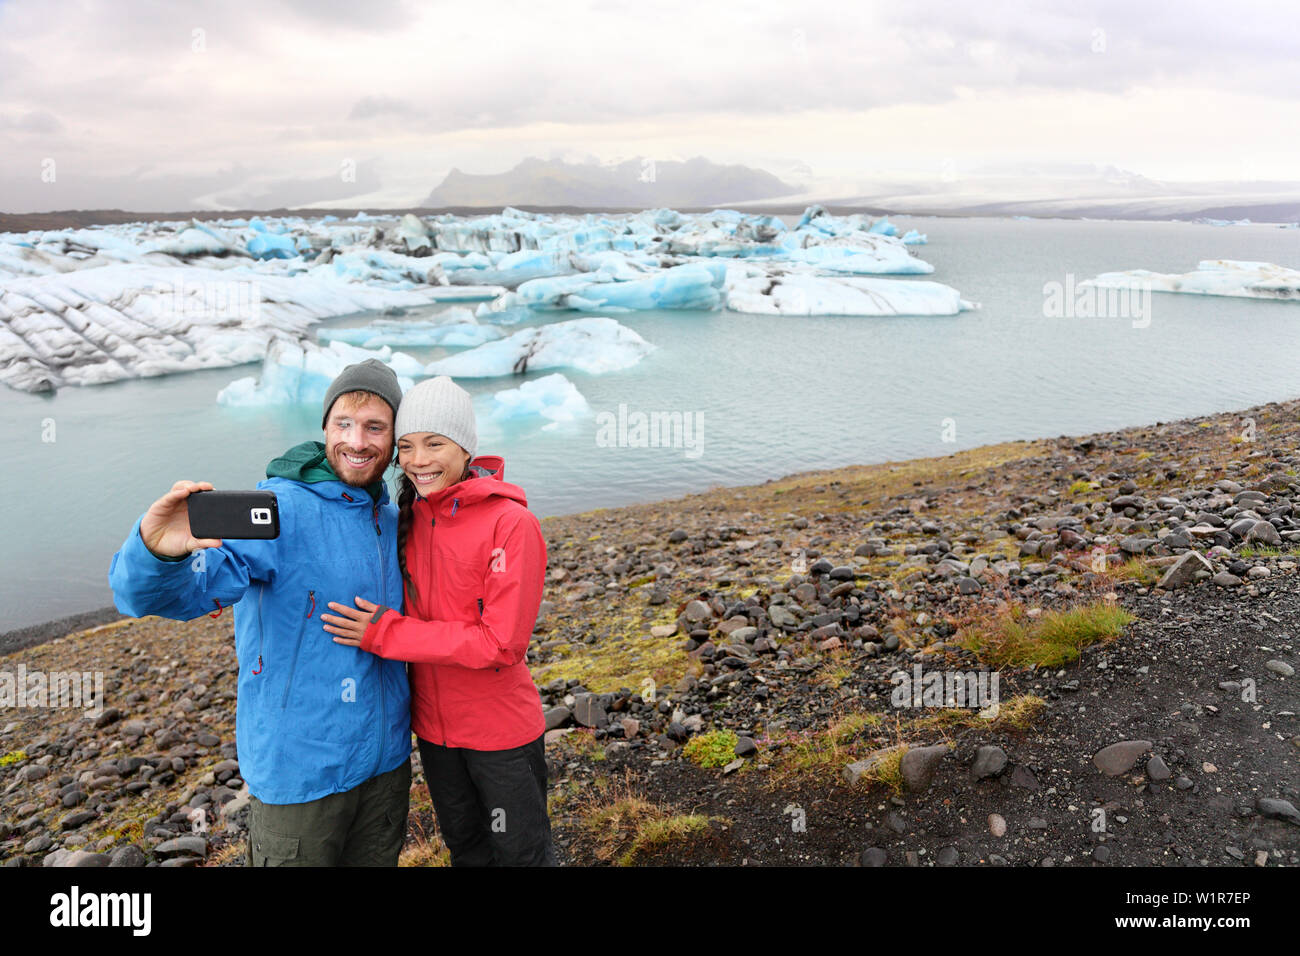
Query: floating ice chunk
[[882, 256], [692, 286], [266, 245], [755, 291], [131, 320], [511, 269], [379, 265], [592, 345], [884, 227], [455, 328], [193, 242], [914, 238], [552, 397], [414, 234], [1230, 277], [301, 374]]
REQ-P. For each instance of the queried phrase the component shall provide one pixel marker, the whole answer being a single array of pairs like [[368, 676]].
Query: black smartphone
[[234, 514]]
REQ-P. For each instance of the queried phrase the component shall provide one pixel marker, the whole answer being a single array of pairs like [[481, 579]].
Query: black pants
[[491, 804]]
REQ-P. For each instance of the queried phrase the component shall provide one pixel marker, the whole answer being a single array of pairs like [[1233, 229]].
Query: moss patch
[[1012, 638]]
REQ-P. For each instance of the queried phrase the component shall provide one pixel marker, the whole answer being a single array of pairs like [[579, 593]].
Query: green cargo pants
[[364, 826]]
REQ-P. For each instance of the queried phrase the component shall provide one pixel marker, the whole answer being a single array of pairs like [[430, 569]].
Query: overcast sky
[[158, 105]]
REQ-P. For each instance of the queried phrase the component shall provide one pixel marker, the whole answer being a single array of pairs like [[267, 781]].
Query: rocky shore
[[1061, 652]]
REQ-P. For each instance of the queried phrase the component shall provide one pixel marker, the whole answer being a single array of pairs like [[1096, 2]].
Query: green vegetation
[[627, 827], [717, 748], [1013, 638], [12, 757]]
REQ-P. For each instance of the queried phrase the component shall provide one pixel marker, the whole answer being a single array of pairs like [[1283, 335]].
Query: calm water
[[772, 395]]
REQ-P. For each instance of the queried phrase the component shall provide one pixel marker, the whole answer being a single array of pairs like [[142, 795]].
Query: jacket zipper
[[293, 664], [382, 665], [433, 669]]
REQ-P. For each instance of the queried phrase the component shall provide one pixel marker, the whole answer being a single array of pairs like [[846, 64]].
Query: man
[[323, 730]]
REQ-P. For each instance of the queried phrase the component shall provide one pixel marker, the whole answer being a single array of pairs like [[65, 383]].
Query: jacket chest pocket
[[459, 587], [309, 614]]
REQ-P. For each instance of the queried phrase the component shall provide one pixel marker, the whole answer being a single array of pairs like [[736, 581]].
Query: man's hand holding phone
[[165, 527]]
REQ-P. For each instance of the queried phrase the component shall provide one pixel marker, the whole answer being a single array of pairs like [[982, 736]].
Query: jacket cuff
[[136, 550], [371, 635]]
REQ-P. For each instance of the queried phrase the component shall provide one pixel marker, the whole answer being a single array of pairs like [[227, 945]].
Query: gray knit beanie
[[439, 405], [372, 376]]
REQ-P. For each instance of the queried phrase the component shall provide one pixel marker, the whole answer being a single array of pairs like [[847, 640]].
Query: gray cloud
[[107, 87]]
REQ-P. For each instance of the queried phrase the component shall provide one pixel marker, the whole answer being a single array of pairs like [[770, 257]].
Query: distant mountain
[[642, 183], [1048, 189]]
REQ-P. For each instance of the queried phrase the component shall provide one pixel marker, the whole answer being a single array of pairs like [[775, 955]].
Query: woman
[[473, 561]]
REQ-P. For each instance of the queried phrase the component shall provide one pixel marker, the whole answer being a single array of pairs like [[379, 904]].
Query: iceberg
[[800, 293], [92, 305], [1230, 277], [888, 257], [295, 373], [694, 286], [591, 345], [268, 246], [552, 397], [457, 327], [136, 320]]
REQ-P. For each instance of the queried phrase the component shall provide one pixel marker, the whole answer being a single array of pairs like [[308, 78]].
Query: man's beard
[[350, 475]]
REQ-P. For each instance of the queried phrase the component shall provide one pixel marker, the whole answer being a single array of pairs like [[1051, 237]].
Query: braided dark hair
[[405, 513], [405, 499]]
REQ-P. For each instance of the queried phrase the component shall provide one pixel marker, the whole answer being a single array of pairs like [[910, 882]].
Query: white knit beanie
[[439, 405]]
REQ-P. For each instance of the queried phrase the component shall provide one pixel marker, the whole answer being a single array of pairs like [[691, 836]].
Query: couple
[[325, 707]]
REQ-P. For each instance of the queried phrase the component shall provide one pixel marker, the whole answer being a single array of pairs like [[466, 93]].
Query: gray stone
[[919, 764], [781, 617], [1120, 757], [1280, 667], [588, 712], [696, 611], [1157, 769], [84, 858], [129, 855], [1183, 571], [1264, 533], [556, 716], [874, 856], [191, 845], [1278, 810], [989, 762], [38, 844], [1022, 776]]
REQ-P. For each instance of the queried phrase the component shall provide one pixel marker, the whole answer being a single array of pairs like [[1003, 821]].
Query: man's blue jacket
[[313, 717]]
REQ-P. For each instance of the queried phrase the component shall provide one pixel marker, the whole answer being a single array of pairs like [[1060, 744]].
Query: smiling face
[[431, 461], [359, 438]]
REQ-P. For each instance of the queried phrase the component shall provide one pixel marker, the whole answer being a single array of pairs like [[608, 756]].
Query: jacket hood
[[306, 462], [486, 480]]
